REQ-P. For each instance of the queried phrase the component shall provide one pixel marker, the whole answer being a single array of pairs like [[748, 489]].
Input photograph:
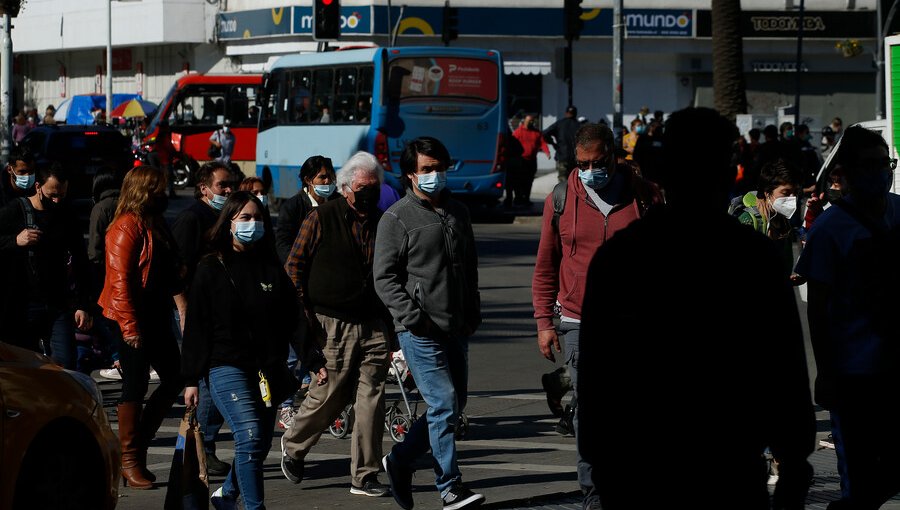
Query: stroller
[[397, 419]]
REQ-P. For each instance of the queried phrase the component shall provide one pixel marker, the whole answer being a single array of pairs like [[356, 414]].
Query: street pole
[[569, 68], [109, 61], [6, 58], [800, 65], [390, 31], [883, 28], [618, 48]]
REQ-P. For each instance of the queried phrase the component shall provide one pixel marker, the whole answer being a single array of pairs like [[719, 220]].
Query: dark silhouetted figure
[[689, 326]]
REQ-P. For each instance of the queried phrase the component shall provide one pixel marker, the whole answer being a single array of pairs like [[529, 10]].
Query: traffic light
[[327, 20], [572, 19], [449, 28]]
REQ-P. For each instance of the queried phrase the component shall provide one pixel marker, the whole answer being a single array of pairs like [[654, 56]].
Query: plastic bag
[[188, 487]]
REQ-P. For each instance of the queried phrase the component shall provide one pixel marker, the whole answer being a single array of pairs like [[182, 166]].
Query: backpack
[[747, 203], [645, 191]]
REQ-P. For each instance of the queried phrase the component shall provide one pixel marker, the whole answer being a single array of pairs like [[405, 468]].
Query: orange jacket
[[129, 250]]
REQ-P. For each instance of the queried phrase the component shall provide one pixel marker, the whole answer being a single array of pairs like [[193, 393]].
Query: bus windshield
[[442, 77]]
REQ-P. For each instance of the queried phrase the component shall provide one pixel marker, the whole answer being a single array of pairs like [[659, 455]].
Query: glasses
[[587, 165]]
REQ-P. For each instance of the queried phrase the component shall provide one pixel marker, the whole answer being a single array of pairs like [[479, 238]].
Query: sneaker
[[400, 479], [828, 442], [371, 488], [458, 496], [153, 375], [292, 468], [565, 427], [222, 502], [111, 373], [286, 416], [216, 467]]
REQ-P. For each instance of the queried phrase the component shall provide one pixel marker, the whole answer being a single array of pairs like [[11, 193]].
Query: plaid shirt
[[308, 239]]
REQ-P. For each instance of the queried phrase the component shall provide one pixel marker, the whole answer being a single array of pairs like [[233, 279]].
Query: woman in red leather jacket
[[143, 273]]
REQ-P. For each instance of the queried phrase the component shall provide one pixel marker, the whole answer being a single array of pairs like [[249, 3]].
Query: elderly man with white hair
[[331, 266]]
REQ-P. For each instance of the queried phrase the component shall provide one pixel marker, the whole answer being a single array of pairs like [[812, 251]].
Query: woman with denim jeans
[[241, 312]]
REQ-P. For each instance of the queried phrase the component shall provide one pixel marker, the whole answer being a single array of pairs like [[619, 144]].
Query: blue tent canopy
[[77, 109]]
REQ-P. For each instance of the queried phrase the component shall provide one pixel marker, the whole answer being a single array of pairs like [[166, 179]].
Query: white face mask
[[785, 206]]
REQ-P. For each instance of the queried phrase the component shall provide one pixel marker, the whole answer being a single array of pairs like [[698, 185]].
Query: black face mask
[[47, 203], [833, 195], [366, 199]]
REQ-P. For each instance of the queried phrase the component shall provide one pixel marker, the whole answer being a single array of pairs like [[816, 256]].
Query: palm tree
[[729, 86]]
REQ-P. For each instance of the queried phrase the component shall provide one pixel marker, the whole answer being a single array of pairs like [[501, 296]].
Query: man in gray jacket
[[426, 273]]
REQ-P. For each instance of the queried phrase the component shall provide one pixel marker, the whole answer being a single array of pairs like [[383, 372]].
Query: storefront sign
[[255, 23], [354, 20], [784, 24], [777, 67]]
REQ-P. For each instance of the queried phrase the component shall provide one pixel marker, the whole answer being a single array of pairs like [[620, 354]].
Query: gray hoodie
[[426, 266]]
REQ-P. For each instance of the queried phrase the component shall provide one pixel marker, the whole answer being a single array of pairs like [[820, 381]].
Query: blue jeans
[[440, 369], [208, 417], [57, 331], [236, 393], [294, 365], [570, 332]]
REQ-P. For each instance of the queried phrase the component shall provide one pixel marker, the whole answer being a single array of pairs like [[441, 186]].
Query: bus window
[[241, 99], [323, 90], [345, 99], [299, 97]]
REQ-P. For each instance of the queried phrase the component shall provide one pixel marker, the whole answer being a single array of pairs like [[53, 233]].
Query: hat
[[571, 109]]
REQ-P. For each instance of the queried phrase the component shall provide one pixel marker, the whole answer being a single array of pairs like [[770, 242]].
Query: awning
[[525, 67]]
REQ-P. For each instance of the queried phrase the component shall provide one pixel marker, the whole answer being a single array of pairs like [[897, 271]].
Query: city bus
[[196, 106], [377, 99]]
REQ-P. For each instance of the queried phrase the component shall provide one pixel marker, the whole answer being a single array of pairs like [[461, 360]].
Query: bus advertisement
[[197, 105], [377, 99]]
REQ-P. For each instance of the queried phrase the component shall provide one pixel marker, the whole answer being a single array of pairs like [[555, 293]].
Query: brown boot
[[132, 467], [154, 413]]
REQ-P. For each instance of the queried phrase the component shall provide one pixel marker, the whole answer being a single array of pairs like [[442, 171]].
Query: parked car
[[82, 150], [57, 449]]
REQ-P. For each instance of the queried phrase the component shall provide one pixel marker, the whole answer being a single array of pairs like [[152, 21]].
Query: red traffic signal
[[327, 20]]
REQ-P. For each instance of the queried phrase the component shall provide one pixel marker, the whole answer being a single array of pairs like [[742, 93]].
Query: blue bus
[[377, 99]]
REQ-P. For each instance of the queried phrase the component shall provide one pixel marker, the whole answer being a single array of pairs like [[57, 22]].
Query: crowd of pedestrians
[[350, 274]]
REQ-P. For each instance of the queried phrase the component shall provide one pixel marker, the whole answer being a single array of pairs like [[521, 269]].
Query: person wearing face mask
[[603, 197], [257, 188], [224, 139], [215, 182], [143, 273], [331, 267], [426, 272], [630, 140], [18, 177], [38, 234], [317, 186], [241, 312], [849, 262], [769, 209]]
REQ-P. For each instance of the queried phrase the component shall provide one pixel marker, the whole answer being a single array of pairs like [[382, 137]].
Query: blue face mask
[[24, 181], [247, 232], [432, 183], [263, 199], [640, 129], [596, 178], [218, 202], [324, 190]]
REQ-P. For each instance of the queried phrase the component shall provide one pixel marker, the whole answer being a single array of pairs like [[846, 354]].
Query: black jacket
[[245, 324], [561, 135], [190, 230]]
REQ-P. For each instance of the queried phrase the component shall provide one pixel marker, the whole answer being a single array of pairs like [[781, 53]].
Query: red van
[[196, 106]]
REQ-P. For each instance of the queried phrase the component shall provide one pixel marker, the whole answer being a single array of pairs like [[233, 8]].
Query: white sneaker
[[221, 502], [110, 373], [153, 375]]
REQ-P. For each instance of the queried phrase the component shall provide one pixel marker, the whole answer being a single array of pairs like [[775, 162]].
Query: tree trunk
[[729, 86]]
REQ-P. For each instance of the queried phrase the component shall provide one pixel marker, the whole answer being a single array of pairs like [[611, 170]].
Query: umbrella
[[134, 108], [62, 110]]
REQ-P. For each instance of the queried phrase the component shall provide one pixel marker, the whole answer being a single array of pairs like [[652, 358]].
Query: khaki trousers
[[357, 362]]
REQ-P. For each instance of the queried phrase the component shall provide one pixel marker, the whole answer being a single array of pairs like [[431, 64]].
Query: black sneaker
[[216, 467], [371, 487], [400, 479], [292, 469], [461, 497]]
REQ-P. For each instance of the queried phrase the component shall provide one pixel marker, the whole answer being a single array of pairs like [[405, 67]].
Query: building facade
[[59, 49]]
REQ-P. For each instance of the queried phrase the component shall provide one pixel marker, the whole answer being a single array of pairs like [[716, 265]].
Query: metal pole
[[618, 49], [799, 65], [109, 61], [396, 27], [6, 58], [570, 69], [883, 28], [390, 25]]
